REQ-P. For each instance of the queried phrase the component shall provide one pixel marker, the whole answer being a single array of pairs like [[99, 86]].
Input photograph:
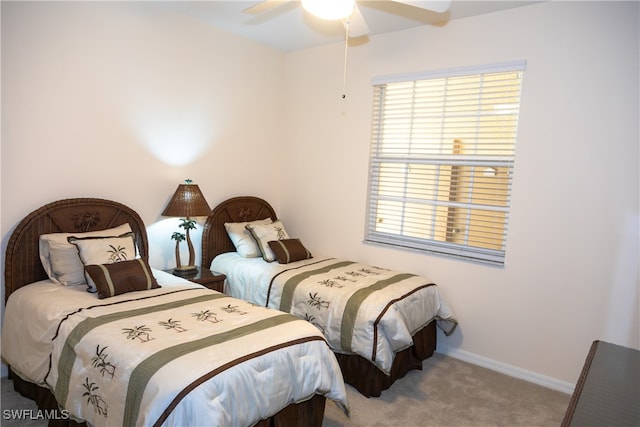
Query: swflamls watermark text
[[35, 414]]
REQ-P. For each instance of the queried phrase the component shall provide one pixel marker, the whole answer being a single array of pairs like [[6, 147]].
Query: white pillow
[[242, 240], [104, 250], [60, 258], [263, 234]]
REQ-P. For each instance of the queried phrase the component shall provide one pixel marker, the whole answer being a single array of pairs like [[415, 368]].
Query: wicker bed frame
[[356, 370], [23, 266]]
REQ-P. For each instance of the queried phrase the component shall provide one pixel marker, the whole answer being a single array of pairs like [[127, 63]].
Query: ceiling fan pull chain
[[344, 71]]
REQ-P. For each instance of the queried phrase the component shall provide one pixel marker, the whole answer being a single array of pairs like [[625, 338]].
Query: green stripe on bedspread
[[354, 303], [146, 369], [67, 355], [290, 285]]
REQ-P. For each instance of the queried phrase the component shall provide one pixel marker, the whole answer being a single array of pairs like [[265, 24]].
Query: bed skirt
[[303, 414], [371, 381]]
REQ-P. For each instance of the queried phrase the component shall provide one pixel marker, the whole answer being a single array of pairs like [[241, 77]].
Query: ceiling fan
[[346, 11]]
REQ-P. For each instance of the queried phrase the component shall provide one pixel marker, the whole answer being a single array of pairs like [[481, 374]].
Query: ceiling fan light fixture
[[329, 9]]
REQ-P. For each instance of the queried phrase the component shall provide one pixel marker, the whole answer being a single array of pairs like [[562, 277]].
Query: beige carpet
[[447, 392]]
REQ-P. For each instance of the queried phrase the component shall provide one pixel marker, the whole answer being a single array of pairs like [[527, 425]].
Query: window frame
[[437, 163]]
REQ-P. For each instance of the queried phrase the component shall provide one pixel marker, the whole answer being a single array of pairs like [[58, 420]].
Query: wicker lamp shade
[[187, 201]]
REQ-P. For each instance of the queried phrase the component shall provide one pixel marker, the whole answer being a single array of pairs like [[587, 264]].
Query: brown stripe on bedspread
[[124, 301], [289, 287], [374, 351], [165, 414], [266, 304], [68, 354], [142, 373], [354, 303]]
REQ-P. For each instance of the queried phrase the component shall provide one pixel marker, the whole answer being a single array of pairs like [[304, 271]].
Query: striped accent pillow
[[289, 250], [121, 277]]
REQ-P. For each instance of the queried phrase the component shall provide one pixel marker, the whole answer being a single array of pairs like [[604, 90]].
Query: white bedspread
[[361, 309], [27, 344], [182, 355]]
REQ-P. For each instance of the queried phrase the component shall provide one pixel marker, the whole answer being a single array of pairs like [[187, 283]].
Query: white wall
[[571, 273], [97, 95], [124, 100]]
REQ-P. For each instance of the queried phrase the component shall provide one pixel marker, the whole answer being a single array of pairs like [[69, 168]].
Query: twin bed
[[153, 349], [290, 330], [380, 323]]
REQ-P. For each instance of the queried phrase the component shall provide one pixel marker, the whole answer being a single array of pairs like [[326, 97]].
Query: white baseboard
[[503, 368]]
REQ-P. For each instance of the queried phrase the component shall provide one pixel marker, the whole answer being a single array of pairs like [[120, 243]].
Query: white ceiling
[[289, 28]]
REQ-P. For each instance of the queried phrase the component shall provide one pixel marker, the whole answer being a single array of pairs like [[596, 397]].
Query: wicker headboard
[[237, 209], [22, 260]]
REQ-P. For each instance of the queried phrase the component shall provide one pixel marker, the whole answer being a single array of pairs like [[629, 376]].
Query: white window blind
[[441, 163]]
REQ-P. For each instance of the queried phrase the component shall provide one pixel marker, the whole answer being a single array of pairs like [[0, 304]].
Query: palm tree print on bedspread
[[99, 404], [105, 367], [316, 301], [100, 362], [138, 332], [312, 319], [206, 316], [231, 309], [331, 283], [172, 324]]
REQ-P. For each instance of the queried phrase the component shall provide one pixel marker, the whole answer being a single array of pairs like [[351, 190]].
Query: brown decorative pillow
[[121, 277], [289, 250]]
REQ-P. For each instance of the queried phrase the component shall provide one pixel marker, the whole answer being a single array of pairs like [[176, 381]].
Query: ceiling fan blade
[[264, 6], [439, 6], [356, 23]]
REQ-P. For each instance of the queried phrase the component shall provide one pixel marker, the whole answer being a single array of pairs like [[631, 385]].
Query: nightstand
[[205, 277]]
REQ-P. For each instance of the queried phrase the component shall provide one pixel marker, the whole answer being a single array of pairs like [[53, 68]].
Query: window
[[441, 164]]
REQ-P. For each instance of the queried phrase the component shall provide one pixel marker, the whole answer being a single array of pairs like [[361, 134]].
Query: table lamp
[[186, 202]]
